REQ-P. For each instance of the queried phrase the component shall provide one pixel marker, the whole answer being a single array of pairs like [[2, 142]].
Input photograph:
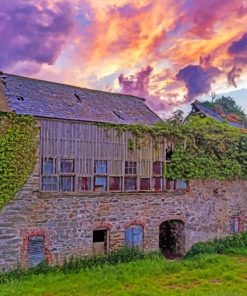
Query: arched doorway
[[172, 238]]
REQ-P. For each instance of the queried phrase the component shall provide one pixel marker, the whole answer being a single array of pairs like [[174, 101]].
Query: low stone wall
[[67, 220]]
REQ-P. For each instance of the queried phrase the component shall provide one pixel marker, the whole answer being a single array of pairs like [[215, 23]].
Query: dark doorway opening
[[172, 239], [100, 241]]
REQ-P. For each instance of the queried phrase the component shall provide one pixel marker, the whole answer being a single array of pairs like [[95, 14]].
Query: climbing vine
[[18, 144], [203, 148]]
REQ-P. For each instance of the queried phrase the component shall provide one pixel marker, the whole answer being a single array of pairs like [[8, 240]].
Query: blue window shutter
[[36, 250], [129, 237], [137, 236]]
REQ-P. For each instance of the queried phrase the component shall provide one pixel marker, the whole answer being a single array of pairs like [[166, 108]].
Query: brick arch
[[172, 217], [105, 225], [25, 234], [134, 222]]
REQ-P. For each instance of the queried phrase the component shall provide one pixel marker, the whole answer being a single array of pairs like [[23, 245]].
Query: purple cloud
[[238, 47], [197, 79], [136, 84], [32, 33]]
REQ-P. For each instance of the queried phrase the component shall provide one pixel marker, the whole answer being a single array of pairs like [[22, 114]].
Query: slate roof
[[199, 108], [53, 100]]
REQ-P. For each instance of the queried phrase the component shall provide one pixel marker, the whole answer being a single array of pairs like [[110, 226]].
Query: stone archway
[[172, 238]]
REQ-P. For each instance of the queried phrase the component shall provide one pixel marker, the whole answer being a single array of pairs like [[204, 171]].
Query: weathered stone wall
[[67, 220]]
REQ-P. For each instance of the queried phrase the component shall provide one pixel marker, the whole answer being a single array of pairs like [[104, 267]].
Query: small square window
[[84, 183], [100, 183], [130, 183], [67, 166], [100, 167], [157, 168], [49, 183], [144, 184], [115, 183], [170, 184], [48, 166], [182, 184], [158, 183], [66, 183], [130, 167]]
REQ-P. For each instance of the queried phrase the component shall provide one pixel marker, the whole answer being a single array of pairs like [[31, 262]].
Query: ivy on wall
[[203, 147], [18, 145]]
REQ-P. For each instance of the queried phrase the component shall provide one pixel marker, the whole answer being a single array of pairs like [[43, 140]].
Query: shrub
[[219, 245], [75, 264]]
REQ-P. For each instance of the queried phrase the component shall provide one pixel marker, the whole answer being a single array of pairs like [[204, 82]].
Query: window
[[157, 168], [182, 184], [49, 184], [49, 165], [169, 153], [100, 167], [235, 224], [36, 250], [170, 184], [134, 237], [100, 184], [84, 183], [158, 183], [130, 167], [100, 241], [67, 166], [130, 183], [115, 183], [66, 183], [144, 184]]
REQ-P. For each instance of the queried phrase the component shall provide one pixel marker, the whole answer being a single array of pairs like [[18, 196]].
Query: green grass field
[[216, 275]]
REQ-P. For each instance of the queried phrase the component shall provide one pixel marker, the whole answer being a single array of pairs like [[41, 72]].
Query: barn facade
[[95, 188]]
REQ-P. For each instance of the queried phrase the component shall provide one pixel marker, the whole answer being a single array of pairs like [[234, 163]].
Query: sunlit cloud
[[169, 52]]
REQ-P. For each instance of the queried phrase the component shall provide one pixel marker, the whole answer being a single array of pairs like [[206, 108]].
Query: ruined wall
[[67, 220]]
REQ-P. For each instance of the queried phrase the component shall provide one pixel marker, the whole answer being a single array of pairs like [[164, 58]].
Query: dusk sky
[[169, 52]]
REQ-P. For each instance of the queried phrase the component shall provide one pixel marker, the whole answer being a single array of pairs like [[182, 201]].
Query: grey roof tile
[[48, 99]]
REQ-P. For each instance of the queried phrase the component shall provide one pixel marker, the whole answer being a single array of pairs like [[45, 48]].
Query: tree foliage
[[226, 105]]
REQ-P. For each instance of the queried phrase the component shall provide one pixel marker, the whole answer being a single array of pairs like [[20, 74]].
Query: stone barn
[[92, 192]]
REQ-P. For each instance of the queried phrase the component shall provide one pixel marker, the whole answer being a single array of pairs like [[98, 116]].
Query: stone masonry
[[67, 220]]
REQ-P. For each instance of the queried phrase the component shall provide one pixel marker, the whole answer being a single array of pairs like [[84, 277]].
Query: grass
[[209, 275]]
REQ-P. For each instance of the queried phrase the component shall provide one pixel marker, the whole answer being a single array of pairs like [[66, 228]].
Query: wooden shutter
[[134, 237], [36, 250]]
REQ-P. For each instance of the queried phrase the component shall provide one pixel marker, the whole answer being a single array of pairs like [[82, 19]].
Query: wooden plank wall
[[86, 142]]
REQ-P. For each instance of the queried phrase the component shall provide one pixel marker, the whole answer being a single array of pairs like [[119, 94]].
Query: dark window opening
[[130, 183], [172, 238], [158, 183], [134, 237], [49, 183], [67, 183], [157, 168], [169, 153], [84, 183], [144, 184], [100, 167], [130, 167], [100, 184], [67, 166], [36, 250], [100, 241], [115, 183]]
